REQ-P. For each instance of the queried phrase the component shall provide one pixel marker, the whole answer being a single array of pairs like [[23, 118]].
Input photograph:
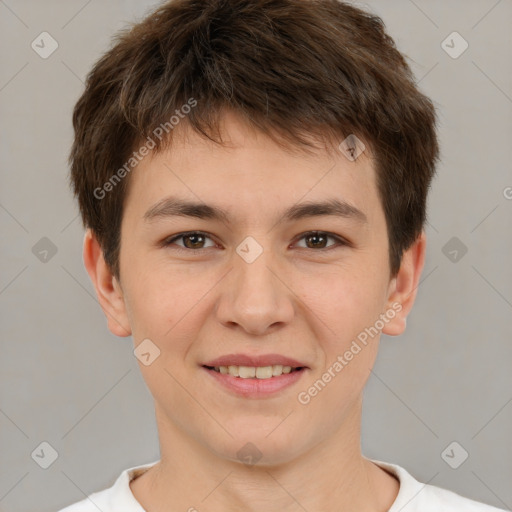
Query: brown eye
[[191, 241], [318, 240], [195, 241]]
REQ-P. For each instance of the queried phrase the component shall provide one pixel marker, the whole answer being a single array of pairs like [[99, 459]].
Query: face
[[268, 278]]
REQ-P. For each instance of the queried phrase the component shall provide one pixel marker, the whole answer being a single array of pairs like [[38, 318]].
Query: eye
[[318, 239], [194, 241]]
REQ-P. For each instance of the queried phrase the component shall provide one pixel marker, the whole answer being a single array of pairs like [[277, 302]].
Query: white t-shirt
[[413, 496]]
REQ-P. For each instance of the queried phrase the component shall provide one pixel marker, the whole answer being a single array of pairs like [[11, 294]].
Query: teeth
[[277, 369], [251, 372], [246, 372], [264, 372]]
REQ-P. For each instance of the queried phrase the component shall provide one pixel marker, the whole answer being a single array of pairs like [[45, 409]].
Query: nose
[[255, 295]]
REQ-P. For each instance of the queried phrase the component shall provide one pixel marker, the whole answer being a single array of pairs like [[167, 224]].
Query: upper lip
[[254, 360]]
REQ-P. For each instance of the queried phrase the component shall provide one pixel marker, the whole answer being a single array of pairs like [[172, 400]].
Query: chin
[[256, 447]]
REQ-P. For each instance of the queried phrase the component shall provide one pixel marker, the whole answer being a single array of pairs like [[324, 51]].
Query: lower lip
[[256, 388]]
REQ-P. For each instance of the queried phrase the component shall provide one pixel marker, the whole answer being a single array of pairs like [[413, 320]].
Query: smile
[[251, 372], [255, 381]]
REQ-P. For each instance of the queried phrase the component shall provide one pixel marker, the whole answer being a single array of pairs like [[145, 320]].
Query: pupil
[[316, 237], [188, 237]]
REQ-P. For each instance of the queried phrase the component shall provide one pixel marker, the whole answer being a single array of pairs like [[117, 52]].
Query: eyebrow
[[175, 207]]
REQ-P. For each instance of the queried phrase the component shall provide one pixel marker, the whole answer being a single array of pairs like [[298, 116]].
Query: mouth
[[254, 382], [255, 372]]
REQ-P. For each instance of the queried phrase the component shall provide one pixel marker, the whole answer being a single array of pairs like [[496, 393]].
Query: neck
[[331, 475]]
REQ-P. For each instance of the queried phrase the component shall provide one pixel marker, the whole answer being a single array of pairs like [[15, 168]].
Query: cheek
[[349, 342], [161, 300], [346, 300], [348, 307]]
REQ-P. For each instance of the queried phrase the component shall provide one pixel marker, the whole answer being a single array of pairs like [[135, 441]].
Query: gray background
[[67, 381]]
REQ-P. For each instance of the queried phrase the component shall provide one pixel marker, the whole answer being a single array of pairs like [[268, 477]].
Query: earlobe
[[403, 287], [107, 288]]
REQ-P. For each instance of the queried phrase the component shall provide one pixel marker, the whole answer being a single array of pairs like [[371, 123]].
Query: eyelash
[[169, 241]]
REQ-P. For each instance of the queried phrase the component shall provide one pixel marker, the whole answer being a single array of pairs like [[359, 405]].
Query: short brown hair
[[291, 68]]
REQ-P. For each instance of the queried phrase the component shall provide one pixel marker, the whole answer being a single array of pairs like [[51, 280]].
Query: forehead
[[250, 172]]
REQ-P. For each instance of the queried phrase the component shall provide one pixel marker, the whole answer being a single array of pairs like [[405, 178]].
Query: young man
[[253, 177]]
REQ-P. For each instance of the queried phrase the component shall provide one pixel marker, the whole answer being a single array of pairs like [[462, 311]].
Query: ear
[[108, 290], [403, 287]]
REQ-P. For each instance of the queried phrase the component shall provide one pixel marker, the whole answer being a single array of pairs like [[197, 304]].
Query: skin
[[298, 298]]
